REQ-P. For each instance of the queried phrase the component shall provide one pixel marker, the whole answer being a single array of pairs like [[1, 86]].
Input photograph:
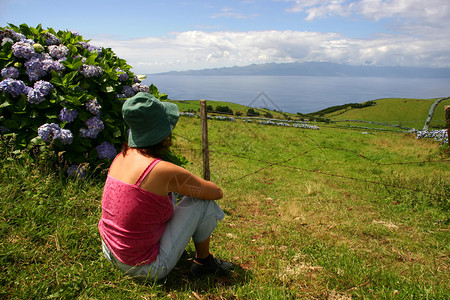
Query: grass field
[[333, 213], [407, 112]]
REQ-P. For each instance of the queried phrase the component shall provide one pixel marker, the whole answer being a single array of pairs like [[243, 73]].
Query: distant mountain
[[321, 69]]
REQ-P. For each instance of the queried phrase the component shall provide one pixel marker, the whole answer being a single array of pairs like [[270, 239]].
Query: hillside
[[410, 113], [194, 106], [406, 112]]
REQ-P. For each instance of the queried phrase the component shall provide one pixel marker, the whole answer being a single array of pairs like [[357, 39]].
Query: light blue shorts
[[192, 218]]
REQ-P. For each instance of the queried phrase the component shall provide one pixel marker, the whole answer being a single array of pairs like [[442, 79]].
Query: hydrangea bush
[[440, 136], [57, 89]]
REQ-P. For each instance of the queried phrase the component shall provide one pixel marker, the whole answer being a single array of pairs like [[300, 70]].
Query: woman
[[143, 233]]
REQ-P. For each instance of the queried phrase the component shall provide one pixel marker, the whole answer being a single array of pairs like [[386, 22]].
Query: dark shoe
[[211, 265]]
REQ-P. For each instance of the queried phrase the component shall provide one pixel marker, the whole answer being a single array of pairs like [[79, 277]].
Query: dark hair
[[156, 151]]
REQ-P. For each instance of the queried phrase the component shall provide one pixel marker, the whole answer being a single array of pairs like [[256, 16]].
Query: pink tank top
[[133, 219]]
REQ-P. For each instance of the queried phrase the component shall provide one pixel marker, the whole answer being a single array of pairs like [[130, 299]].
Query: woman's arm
[[185, 183]]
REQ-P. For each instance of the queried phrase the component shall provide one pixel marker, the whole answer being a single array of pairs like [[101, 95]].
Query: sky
[[160, 36]]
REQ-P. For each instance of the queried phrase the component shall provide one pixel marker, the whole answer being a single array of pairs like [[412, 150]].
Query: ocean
[[294, 94]]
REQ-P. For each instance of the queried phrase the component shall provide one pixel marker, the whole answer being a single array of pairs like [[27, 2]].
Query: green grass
[[311, 214], [407, 112]]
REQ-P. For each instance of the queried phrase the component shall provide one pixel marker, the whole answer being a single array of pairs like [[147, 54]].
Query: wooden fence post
[[205, 150], [447, 118]]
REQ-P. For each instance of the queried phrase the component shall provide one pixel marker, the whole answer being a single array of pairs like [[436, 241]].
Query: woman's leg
[[202, 248], [192, 218]]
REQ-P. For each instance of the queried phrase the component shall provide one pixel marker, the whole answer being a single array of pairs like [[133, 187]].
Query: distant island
[[321, 69]]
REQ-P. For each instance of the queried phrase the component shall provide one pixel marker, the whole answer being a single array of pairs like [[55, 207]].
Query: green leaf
[[22, 103], [11, 124], [91, 59], [5, 104], [68, 78]]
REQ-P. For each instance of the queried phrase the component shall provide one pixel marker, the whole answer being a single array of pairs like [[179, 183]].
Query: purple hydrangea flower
[[23, 50], [51, 39], [43, 87], [77, 171], [106, 151], [35, 97], [64, 135], [93, 106], [123, 76], [35, 68], [95, 125], [10, 72], [19, 36], [13, 87], [67, 115], [7, 40], [139, 87], [55, 65], [92, 48], [128, 91], [84, 45], [91, 71], [11, 34], [47, 131], [58, 51]]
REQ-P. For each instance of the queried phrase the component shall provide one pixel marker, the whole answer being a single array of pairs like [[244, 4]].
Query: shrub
[[60, 92], [252, 113], [224, 109]]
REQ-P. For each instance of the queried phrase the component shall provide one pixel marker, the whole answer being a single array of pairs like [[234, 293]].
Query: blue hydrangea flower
[[7, 40], [95, 126], [64, 135], [35, 97], [106, 151], [77, 171], [139, 87], [92, 48], [10, 72], [93, 106], [50, 65], [128, 91], [123, 76], [91, 71], [67, 115], [58, 51], [84, 45], [23, 50], [47, 131], [43, 87], [13, 87], [51, 39], [438, 135], [35, 68], [19, 36]]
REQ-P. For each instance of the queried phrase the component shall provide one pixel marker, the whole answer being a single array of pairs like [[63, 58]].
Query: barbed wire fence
[[266, 165]]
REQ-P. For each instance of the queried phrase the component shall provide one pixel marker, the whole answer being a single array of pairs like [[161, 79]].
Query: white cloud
[[229, 12], [430, 14], [198, 50]]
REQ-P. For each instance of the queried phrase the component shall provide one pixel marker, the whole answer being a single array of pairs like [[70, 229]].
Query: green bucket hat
[[150, 120]]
